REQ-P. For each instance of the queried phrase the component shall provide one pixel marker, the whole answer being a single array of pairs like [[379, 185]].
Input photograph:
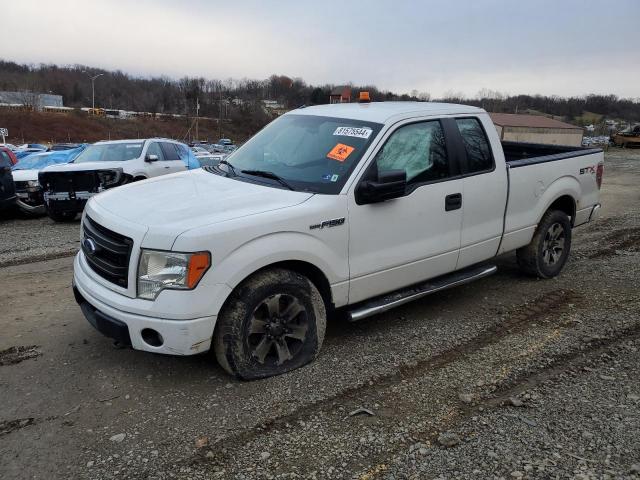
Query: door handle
[[453, 202]]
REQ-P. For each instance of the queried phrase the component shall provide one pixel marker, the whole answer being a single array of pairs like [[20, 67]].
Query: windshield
[[110, 152], [309, 152]]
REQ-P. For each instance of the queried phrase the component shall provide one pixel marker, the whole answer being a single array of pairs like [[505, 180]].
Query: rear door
[[484, 190], [7, 188]]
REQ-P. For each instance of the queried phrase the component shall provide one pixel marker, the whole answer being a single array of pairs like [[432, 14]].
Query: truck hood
[[172, 204], [24, 175], [82, 167]]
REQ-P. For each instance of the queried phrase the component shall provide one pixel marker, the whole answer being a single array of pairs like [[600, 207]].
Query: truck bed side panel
[[534, 186]]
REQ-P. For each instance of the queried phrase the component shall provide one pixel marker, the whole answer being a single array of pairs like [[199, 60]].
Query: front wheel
[[549, 249], [273, 322]]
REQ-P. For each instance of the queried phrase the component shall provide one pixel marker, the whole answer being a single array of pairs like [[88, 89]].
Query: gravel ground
[[509, 377], [27, 239]]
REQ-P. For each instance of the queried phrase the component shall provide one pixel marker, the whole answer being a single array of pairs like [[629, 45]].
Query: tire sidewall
[[549, 271], [238, 315]]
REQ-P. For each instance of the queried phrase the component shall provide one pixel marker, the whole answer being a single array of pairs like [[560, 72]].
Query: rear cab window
[[476, 145]]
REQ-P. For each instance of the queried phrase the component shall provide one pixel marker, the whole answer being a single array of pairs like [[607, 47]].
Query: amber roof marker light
[[364, 97]]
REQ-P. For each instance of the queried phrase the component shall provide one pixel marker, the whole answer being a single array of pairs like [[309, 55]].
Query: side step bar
[[395, 299]]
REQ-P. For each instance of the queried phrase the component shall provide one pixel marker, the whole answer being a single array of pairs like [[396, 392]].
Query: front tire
[[273, 323], [549, 249]]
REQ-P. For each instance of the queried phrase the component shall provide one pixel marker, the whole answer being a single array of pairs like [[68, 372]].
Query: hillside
[[32, 127]]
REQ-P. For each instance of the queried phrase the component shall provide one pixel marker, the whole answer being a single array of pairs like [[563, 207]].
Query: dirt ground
[[509, 377]]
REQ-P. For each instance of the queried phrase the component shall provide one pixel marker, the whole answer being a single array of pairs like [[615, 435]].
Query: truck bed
[[520, 154]]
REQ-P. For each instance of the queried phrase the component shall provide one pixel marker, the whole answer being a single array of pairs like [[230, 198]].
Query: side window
[[183, 153], [418, 149], [170, 152], [154, 149], [5, 161], [475, 141]]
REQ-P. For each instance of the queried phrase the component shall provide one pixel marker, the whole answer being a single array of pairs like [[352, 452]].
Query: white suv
[[109, 164]]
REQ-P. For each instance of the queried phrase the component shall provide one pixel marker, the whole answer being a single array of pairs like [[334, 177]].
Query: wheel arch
[[305, 268], [565, 203], [563, 195]]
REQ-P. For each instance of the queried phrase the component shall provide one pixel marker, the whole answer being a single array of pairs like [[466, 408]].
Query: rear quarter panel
[[535, 187]]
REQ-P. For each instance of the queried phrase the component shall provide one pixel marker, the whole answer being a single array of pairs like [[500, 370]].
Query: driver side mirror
[[151, 158], [390, 184]]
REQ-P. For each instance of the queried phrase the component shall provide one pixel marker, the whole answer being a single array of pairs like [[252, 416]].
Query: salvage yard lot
[[507, 377]]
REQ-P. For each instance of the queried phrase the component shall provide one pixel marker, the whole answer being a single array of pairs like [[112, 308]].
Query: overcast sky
[[563, 47]]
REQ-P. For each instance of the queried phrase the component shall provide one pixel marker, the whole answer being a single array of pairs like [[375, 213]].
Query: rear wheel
[[549, 249], [273, 322]]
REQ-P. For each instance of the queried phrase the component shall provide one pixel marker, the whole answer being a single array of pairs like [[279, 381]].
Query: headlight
[[33, 183], [159, 270]]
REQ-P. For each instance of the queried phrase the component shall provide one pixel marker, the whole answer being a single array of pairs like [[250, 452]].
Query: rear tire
[[273, 322], [62, 216], [549, 249]]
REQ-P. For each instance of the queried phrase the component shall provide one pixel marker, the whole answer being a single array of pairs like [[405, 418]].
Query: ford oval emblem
[[89, 245]]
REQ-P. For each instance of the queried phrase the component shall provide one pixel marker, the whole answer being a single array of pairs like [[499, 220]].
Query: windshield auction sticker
[[340, 152], [353, 132]]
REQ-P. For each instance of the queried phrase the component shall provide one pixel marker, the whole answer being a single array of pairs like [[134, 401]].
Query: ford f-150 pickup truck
[[351, 207]]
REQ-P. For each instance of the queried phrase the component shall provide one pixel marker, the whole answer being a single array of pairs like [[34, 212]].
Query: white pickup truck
[[356, 207]]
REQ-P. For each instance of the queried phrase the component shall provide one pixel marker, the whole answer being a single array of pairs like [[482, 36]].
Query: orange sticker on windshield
[[340, 152]]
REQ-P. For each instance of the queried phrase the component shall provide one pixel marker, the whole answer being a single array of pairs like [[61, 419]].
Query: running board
[[400, 297]]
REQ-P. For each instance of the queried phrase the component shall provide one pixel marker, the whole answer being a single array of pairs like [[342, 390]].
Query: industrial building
[[32, 100], [536, 129]]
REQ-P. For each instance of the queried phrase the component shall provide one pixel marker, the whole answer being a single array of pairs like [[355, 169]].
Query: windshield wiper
[[231, 167], [271, 175]]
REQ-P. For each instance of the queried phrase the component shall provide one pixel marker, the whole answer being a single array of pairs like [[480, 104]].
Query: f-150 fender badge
[[327, 224]]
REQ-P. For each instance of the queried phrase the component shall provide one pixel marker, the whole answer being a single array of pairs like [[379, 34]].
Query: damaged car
[[108, 164], [29, 195]]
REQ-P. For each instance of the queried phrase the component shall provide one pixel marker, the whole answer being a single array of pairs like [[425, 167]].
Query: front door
[[415, 237], [168, 159]]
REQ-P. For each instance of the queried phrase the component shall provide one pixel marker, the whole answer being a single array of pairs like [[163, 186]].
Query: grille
[[110, 257], [21, 186], [71, 182]]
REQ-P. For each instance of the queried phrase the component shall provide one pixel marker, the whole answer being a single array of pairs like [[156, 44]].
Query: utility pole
[[93, 89], [220, 115], [197, 115]]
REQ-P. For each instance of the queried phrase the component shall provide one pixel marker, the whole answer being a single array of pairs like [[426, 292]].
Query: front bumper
[[31, 201], [64, 202], [179, 337]]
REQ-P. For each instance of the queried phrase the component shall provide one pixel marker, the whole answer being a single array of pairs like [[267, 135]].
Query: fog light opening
[[151, 337]]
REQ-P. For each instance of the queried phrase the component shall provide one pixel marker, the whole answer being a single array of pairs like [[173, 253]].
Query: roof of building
[[381, 112], [341, 90], [531, 121]]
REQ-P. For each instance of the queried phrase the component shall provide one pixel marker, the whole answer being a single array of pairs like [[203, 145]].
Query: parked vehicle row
[[29, 192], [60, 180], [104, 165]]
